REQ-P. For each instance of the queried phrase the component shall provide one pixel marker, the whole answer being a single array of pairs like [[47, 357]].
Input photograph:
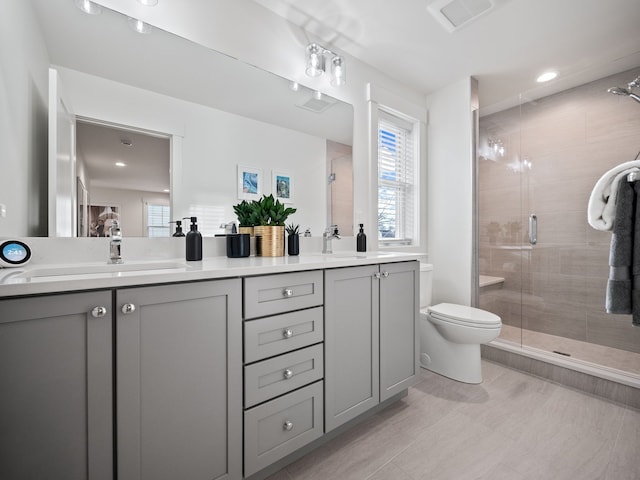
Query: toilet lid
[[464, 314]]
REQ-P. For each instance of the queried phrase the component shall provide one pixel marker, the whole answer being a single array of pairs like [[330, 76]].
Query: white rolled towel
[[602, 202]]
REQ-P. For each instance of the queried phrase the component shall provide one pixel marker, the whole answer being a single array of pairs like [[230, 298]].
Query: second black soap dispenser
[[361, 240], [194, 242], [179, 232]]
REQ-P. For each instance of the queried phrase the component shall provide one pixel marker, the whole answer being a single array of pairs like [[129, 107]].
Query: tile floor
[[513, 426]]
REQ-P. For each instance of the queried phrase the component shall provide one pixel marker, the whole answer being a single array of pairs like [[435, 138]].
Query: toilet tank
[[426, 284]]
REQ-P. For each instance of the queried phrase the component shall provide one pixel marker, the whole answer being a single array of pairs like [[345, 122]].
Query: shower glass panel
[[543, 158]]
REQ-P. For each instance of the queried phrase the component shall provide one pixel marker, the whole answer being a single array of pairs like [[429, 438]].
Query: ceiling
[[145, 157], [505, 48]]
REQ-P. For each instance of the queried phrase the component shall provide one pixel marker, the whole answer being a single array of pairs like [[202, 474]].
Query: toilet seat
[[463, 315]]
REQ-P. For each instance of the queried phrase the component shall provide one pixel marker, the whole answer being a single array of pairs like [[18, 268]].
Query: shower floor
[[588, 352]]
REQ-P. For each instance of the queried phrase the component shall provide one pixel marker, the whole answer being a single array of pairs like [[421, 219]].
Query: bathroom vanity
[[218, 369]]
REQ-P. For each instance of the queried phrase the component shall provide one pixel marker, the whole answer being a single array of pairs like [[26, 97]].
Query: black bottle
[[194, 242], [361, 240], [179, 232]]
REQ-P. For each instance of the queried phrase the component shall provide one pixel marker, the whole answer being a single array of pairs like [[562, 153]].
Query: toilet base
[[462, 364]]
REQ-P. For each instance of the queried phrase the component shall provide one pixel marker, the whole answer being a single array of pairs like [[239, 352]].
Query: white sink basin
[[96, 269]]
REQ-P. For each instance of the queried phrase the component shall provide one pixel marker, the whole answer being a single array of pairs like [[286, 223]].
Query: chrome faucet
[[329, 234], [115, 242]]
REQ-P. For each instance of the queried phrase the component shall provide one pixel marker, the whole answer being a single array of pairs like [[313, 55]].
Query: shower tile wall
[[570, 139]]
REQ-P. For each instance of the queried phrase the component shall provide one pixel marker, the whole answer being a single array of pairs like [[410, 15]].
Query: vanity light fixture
[[88, 7], [546, 76], [316, 64], [139, 26]]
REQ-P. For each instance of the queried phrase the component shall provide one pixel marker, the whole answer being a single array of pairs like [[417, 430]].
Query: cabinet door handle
[[98, 312], [287, 292], [287, 333], [128, 308], [287, 425], [385, 274], [288, 373], [376, 275]]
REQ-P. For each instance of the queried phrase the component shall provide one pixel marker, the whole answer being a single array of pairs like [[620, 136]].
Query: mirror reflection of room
[[208, 118], [126, 177]]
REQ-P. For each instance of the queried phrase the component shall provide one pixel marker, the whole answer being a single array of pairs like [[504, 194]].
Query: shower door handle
[[533, 229]]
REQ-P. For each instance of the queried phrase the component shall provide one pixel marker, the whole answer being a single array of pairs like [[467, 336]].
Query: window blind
[[158, 220], [396, 180]]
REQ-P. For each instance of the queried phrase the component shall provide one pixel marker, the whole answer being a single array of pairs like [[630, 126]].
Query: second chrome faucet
[[329, 234]]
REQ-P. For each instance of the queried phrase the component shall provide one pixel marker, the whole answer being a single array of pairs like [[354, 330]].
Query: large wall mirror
[[167, 108]]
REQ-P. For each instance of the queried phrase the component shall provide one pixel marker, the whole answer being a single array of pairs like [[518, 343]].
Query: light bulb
[[315, 60]]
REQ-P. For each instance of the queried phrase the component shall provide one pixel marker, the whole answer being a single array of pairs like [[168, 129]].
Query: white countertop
[[51, 278]]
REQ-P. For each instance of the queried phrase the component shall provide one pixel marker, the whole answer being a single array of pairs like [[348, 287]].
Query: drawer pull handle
[[288, 373], [385, 274], [376, 275], [287, 333], [128, 308], [98, 312], [287, 425], [287, 292]]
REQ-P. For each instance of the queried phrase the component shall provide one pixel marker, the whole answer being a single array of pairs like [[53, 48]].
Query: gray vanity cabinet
[[351, 340], [399, 334], [371, 337], [56, 374], [179, 381]]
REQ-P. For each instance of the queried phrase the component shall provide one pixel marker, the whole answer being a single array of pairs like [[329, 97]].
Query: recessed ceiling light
[[546, 76], [166, 190], [148, 3], [121, 164], [88, 7]]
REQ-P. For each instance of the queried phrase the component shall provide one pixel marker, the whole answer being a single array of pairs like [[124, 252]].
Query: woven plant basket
[[269, 240]]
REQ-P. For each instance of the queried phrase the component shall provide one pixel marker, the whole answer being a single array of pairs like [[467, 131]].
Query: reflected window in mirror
[[157, 218]]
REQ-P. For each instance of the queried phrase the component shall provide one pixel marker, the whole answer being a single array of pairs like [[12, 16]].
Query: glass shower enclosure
[[542, 268]]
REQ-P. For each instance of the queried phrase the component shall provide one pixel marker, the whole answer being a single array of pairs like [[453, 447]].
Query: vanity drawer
[[279, 427], [270, 294], [270, 378], [272, 336]]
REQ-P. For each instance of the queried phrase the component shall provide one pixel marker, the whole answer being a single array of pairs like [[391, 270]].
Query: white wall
[[212, 144], [449, 201], [24, 63]]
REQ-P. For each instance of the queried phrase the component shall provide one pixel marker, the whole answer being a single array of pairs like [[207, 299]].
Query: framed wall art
[[282, 185], [250, 183]]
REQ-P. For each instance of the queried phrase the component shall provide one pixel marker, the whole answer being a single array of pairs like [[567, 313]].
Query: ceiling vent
[[317, 105], [454, 14]]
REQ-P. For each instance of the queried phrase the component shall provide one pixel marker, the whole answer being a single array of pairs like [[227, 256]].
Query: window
[[158, 217], [397, 167]]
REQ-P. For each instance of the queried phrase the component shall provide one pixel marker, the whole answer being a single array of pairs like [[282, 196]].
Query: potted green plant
[[245, 212], [271, 215], [293, 239]]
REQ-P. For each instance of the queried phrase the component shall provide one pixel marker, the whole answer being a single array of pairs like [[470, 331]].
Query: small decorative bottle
[[361, 240], [293, 240]]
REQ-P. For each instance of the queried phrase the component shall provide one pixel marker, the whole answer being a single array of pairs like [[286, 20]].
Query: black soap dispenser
[[194, 242], [179, 232], [361, 240]]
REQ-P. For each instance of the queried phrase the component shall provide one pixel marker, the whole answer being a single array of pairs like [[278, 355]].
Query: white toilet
[[450, 335]]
